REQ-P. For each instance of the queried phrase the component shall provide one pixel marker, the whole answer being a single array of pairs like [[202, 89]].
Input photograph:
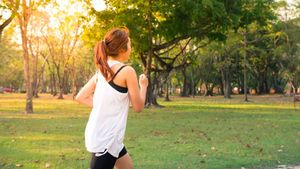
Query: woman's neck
[[114, 59]]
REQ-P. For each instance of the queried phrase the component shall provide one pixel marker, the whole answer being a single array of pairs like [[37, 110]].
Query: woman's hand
[[143, 81]]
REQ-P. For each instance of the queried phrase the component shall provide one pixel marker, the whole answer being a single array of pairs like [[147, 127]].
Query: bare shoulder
[[129, 70]]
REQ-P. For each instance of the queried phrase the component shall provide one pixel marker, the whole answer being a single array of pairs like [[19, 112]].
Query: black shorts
[[105, 161]]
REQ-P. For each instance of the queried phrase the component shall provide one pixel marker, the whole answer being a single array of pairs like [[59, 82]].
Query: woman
[[114, 85]]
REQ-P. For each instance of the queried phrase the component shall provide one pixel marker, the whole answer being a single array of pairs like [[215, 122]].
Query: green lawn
[[189, 133]]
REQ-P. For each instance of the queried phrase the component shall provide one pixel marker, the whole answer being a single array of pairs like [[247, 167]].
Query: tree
[[24, 17], [61, 49], [227, 60], [253, 12], [27, 7], [169, 21], [291, 69], [11, 74], [39, 20]]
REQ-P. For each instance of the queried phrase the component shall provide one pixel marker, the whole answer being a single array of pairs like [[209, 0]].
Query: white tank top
[[106, 126]]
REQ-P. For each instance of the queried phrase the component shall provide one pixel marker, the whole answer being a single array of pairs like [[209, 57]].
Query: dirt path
[[287, 167]]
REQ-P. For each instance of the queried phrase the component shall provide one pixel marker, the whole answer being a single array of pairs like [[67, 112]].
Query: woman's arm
[[85, 96], [137, 96]]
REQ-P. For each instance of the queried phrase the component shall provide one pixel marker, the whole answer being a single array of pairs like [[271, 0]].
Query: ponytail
[[101, 60]]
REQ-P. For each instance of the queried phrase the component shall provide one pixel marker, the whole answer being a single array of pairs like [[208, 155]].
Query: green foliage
[[171, 19], [290, 38], [11, 64], [259, 11]]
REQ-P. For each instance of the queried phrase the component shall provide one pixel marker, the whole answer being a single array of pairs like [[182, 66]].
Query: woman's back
[[107, 122]]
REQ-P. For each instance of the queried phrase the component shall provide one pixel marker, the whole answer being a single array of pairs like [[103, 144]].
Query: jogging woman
[[109, 93]]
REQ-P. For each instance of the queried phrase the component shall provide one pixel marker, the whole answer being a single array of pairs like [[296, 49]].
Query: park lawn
[[189, 133]]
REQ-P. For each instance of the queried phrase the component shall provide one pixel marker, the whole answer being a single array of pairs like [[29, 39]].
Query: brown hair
[[115, 41]]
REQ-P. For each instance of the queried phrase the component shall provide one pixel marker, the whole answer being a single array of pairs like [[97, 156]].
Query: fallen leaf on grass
[[157, 133], [62, 156], [281, 166], [47, 165], [19, 165], [81, 158]]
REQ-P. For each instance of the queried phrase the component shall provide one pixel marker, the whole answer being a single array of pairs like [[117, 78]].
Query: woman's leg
[[105, 161], [124, 162]]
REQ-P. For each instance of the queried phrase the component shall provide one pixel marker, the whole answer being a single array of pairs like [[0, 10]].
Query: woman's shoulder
[[129, 69]]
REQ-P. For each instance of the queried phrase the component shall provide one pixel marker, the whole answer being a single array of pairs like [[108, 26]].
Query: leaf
[[19, 165], [207, 3], [47, 165]]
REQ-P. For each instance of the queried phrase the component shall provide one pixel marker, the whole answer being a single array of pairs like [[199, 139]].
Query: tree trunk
[[66, 83], [227, 88], [278, 88], [227, 84], [61, 88], [184, 92], [42, 80], [291, 89], [150, 98], [209, 89], [53, 84], [263, 87], [23, 21], [222, 86], [266, 86], [61, 92], [156, 88], [35, 76], [73, 75], [245, 70], [192, 86], [60, 82], [167, 91]]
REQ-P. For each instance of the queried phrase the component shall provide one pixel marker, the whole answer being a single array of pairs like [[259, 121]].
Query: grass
[[189, 133]]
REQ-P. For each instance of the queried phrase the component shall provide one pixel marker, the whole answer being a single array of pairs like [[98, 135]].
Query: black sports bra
[[115, 86]]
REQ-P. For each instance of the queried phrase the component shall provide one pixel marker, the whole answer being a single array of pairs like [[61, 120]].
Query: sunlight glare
[[99, 5]]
